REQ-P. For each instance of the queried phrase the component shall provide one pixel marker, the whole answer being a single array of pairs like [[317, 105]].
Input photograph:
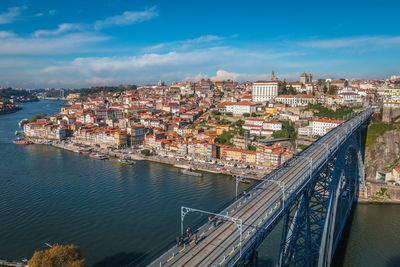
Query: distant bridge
[[313, 192]]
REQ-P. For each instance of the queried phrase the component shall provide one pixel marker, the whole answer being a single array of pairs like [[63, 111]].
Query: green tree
[[282, 89], [145, 152], [291, 90], [246, 115], [250, 147], [333, 90], [229, 114], [253, 114], [58, 256], [224, 138], [215, 113], [238, 123], [288, 131]]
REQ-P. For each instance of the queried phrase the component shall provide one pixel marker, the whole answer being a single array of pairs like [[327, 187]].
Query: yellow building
[[73, 96], [221, 128]]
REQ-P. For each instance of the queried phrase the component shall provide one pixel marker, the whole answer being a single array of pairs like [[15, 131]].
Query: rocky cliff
[[383, 153]]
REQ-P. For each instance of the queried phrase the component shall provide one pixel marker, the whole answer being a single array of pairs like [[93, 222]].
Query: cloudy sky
[[69, 44]]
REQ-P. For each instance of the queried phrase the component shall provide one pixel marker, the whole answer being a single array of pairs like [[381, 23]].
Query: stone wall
[[383, 154], [389, 114], [392, 191]]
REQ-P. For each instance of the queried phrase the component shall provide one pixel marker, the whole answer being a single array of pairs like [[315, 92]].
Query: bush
[[224, 138], [229, 114], [246, 115], [58, 255], [215, 112], [145, 152]]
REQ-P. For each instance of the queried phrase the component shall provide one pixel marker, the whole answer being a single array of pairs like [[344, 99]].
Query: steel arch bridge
[[313, 193]]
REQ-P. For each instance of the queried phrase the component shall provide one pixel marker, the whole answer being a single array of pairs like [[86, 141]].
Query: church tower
[[273, 77]]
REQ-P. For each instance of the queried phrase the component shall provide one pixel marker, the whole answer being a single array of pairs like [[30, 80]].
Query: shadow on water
[[394, 261], [338, 259], [122, 259]]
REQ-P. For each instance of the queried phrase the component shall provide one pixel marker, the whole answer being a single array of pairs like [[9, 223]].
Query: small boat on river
[[21, 142], [98, 156], [126, 162], [191, 172]]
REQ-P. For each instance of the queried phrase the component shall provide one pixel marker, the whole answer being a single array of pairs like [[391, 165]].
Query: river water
[[123, 215]]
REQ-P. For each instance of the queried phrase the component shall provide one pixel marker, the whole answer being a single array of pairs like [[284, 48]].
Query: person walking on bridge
[[195, 238], [188, 232]]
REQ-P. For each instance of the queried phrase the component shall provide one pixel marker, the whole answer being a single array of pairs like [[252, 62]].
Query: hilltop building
[[305, 78]]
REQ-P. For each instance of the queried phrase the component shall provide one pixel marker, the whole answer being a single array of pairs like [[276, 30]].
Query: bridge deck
[[260, 208]]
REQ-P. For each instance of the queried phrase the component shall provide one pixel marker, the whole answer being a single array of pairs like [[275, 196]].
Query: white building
[[296, 85], [391, 97], [272, 125], [296, 100], [305, 131], [265, 91], [240, 108], [254, 121], [321, 126]]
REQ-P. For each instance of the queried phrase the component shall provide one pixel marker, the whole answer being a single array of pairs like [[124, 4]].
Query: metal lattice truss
[[313, 225]]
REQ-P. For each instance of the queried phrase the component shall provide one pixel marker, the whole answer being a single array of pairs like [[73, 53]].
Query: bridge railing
[[345, 129], [354, 123]]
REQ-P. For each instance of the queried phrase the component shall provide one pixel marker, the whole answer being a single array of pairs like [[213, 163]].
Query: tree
[[145, 152], [333, 90], [238, 123], [215, 113], [291, 90], [253, 114], [37, 117], [58, 256], [250, 147], [246, 115], [282, 89], [229, 114], [224, 138]]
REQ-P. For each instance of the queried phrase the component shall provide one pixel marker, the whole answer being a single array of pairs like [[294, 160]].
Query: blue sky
[[74, 43]]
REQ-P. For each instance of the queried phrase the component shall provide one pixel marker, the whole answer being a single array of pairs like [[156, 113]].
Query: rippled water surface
[[122, 214]]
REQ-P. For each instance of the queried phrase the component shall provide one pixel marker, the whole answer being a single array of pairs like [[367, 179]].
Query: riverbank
[[10, 111], [379, 193], [175, 162]]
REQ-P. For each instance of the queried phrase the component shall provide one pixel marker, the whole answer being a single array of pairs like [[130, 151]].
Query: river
[[122, 215]]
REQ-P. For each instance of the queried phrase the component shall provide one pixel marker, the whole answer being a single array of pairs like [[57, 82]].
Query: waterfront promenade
[[211, 167]]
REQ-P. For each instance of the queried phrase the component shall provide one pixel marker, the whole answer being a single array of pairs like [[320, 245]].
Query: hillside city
[[252, 126]]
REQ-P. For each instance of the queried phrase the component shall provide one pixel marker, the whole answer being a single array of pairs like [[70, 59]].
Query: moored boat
[[98, 156], [191, 172], [21, 142], [126, 162]]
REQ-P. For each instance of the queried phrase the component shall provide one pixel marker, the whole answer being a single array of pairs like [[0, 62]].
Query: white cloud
[[69, 43], [225, 75], [6, 34], [39, 14], [100, 81], [195, 43], [127, 18], [52, 12], [170, 66], [62, 28], [368, 42], [11, 15]]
